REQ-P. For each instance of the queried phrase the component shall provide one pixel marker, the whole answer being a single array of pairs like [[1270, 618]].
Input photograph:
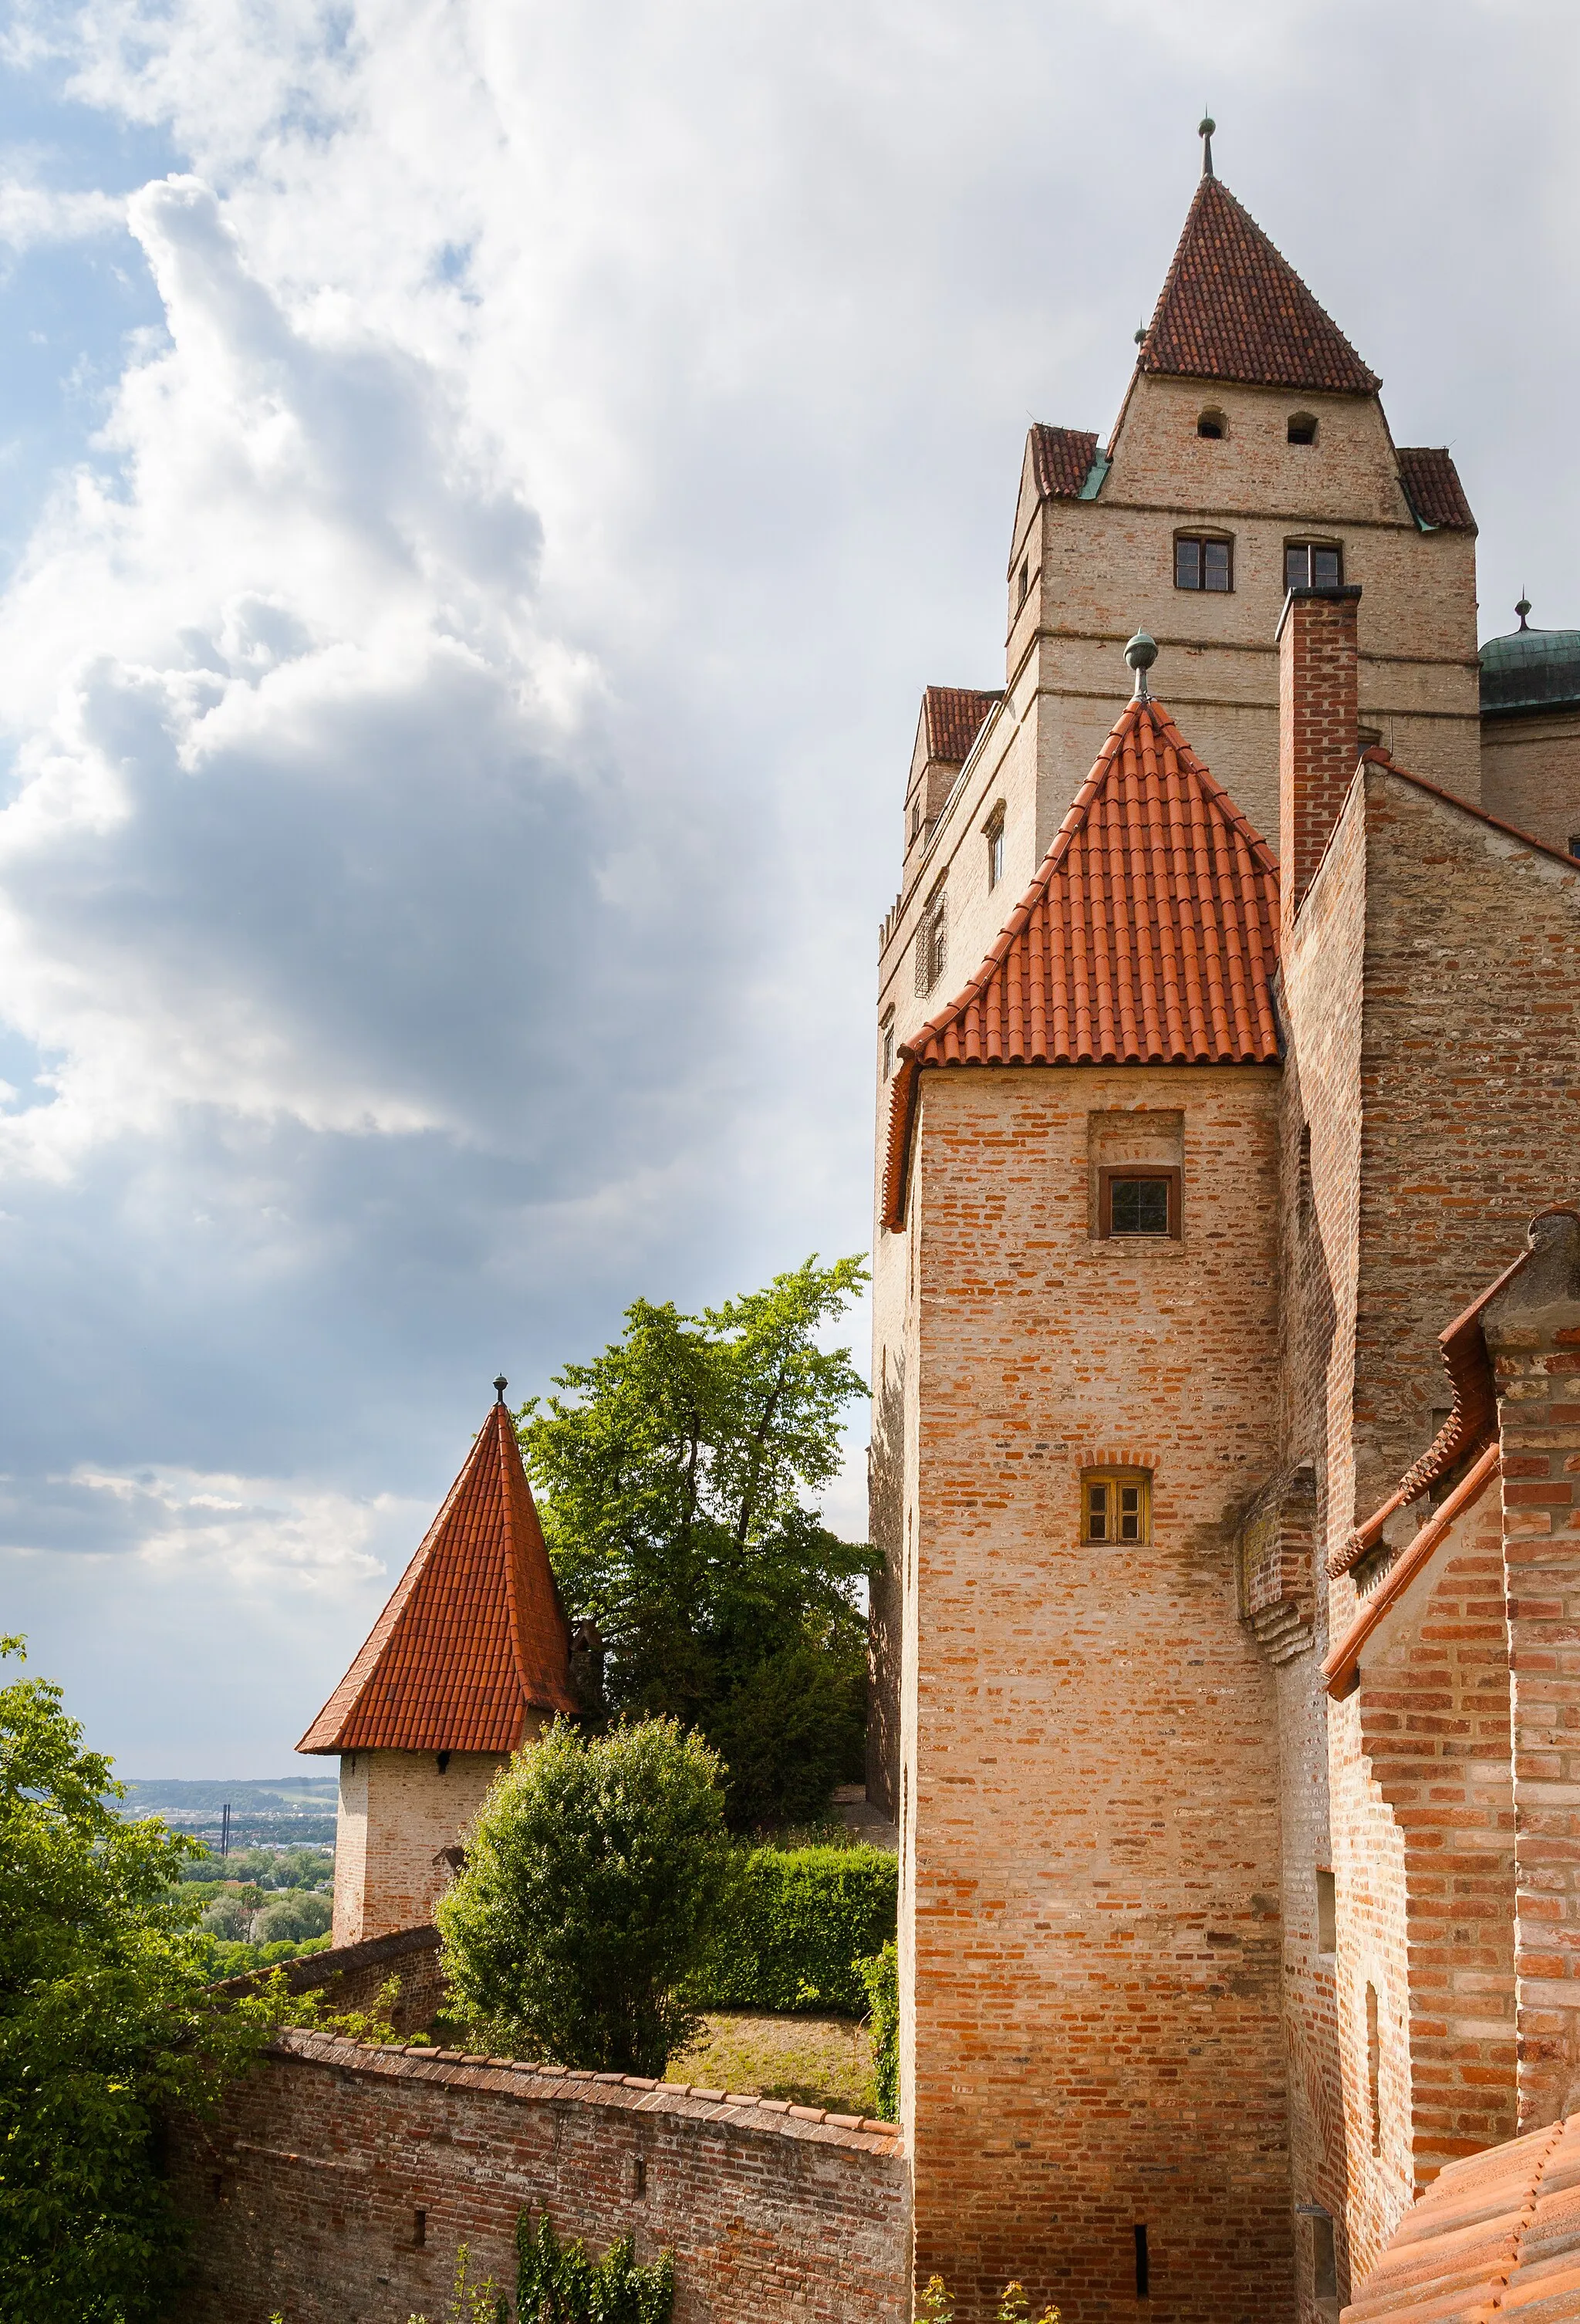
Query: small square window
[[1200, 563], [1116, 1505], [1139, 1201]]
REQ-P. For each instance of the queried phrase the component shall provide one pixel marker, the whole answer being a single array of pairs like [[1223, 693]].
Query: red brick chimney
[[1318, 713]]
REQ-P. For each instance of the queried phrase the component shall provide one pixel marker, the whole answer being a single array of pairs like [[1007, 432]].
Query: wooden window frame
[[1107, 1175], [1102, 1519], [1333, 548], [1201, 541], [993, 833]]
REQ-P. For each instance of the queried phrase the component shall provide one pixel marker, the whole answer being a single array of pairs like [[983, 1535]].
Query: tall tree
[[678, 1475]]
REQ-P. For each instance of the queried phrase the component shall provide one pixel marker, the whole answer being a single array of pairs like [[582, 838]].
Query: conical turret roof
[[1233, 307], [473, 1637]]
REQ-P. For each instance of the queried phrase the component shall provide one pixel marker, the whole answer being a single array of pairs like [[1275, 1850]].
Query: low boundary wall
[[337, 2179], [353, 1977]]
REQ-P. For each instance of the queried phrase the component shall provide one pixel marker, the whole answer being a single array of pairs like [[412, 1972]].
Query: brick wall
[[1530, 772], [1318, 722], [1090, 1925], [304, 2193], [353, 1977], [397, 1811]]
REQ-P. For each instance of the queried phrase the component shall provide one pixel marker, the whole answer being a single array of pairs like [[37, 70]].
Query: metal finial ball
[[1523, 608], [1205, 126], [1141, 336], [501, 1385], [1142, 651]]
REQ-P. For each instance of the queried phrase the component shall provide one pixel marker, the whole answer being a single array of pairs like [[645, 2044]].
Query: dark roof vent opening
[[1302, 427]]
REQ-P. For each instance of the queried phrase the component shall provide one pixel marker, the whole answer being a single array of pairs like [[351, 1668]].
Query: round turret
[[1530, 670]]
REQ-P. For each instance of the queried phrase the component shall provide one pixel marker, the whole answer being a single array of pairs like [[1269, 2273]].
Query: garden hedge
[[809, 1915]]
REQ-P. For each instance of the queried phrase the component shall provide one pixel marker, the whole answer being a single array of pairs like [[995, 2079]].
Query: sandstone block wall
[[337, 2181], [1090, 1919]]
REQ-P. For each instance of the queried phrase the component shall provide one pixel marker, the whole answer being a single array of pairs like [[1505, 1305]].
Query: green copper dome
[[1530, 670]]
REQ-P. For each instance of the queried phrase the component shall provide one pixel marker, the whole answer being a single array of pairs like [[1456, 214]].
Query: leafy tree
[[599, 1879], [103, 2022], [674, 1473], [295, 1914]]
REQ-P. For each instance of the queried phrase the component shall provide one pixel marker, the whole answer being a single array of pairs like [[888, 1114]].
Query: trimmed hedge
[[807, 1916]]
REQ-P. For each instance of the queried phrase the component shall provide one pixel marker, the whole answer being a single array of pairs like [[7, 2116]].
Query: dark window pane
[[1130, 1512], [1215, 564], [1324, 568], [1097, 1512], [1138, 1206], [1187, 564], [1297, 568]]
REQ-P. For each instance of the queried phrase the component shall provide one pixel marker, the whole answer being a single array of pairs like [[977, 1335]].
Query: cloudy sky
[[482, 485]]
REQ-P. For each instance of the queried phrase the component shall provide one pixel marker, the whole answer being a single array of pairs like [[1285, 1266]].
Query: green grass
[[821, 2061]]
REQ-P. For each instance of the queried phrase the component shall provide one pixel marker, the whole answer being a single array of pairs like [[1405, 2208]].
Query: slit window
[[1313, 564], [1324, 2258], [995, 837], [1374, 2071], [1203, 562], [888, 1045], [418, 2229], [1116, 1505], [1023, 585], [1327, 1913], [1143, 2266], [1139, 1201]]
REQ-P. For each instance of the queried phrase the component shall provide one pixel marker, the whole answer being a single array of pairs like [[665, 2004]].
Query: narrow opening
[[995, 835], [216, 2185], [1023, 584], [1324, 2259], [1304, 1180], [1374, 2071], [1213, 425], [1327, 1913], [418, 2229], [1574, 843], [442, 1760], [1302, 427], [888, 1045], [1143, 2266], [639, 2177]]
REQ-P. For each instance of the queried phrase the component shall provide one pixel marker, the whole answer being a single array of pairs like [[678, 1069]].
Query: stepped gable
[[1433, 489], [1149, 937], [1496, 2235], [473, 1637], [1061, 460], [1233, 307], [955, 716]]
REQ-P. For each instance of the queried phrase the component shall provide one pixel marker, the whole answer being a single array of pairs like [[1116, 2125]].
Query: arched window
[[1212, 424], [1203, 561], [1302, 427]]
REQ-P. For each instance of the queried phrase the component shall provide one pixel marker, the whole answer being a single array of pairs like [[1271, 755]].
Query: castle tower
[[468, 1661]]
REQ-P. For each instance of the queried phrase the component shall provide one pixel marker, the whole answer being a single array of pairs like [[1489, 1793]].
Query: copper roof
[[473, 1635], [955, 716], [1495, 2236], [1148, 937], [1233, 307], [1432, 487], [1061, 460]]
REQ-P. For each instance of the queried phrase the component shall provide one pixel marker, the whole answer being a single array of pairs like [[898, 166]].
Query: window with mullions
[[1202, 562], [1115, 1505], [1313, 564], [1137, 1199]]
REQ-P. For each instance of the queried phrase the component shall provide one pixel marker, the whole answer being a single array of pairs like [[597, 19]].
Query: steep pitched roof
[[1232, 307], [1061, 460], [1148, 937], [954, 716], [473, 1635], [1496, 2235], [1433, 489]]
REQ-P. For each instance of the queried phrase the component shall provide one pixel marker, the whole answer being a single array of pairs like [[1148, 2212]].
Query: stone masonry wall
[[337, 2181], [1090, 1915], [1531, 773], [397, 1811], [353, 1977]]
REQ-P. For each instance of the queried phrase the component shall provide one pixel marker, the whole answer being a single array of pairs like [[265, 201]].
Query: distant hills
[[314, 1795]]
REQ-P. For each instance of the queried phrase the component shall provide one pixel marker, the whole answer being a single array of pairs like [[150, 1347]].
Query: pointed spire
[[474, 1638], [1233, 307]]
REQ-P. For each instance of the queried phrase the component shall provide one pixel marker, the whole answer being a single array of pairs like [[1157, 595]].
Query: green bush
[[794, 1728], [807, 1916], [881, 1978], [558, 2283]]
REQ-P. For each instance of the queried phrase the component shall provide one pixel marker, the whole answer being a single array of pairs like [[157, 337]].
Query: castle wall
[[335, 2182], [1090, 1925], [1531, 773], [397, 1811]]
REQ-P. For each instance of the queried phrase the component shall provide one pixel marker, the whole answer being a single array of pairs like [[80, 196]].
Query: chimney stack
[[1318, 715]]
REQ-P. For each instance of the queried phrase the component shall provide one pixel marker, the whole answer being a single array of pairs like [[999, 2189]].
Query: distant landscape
[[292, 1812]]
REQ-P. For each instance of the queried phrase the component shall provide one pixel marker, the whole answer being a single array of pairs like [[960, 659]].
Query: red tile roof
[[1432, 487], [1233, 307], [1061, 460], [1149, 937], [955, 716], [1495, 2236], [473, 1635]]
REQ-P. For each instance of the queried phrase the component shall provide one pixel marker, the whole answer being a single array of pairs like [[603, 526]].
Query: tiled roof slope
[[1149, 937], [1061, 460], [1232, 307], [955, 715], [1432, 487], [474, 1634], [1495, 2236]]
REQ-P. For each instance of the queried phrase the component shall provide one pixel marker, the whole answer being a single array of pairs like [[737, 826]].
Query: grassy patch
[[821, 2061]]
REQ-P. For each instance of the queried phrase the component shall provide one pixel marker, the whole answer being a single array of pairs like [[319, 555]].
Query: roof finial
[[501, 1385], [1204, 131], [1141, 653], [1140, 335], [1523, 608]]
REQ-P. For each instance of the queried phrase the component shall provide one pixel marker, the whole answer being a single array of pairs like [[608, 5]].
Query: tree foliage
[[676, 1474], [103, 2023], [599, 1879]]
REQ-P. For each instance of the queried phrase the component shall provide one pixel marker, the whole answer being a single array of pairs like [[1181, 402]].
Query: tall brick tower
[[468, 1661]]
